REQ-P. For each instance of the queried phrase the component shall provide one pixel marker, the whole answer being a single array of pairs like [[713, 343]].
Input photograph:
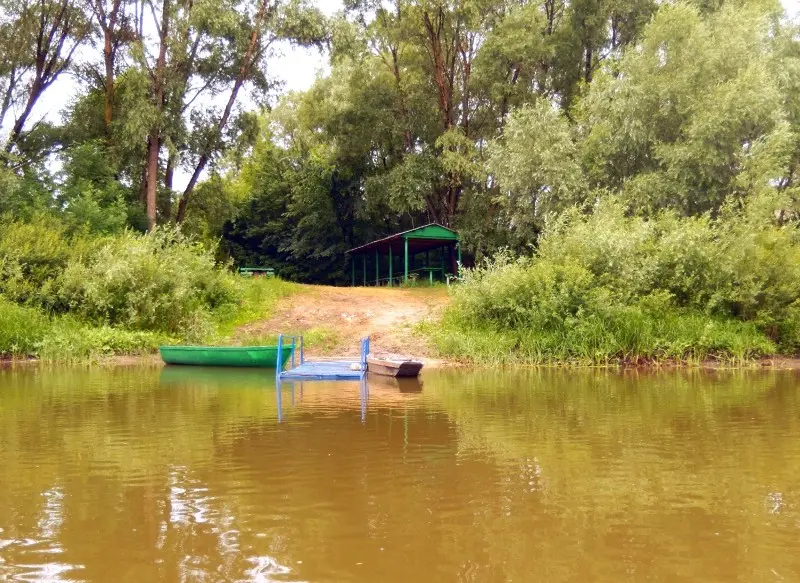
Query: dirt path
[[333, 319]]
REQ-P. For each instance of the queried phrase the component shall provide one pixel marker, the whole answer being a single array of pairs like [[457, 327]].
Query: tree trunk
[[154, 141], [143, 182], [588, 72], [244, 71], [153, 147], [169, 174], [108, 58], [440, 76]]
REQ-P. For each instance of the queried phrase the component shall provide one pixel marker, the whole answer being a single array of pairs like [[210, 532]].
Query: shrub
[[32, 254], [160, 281], [608, 286]]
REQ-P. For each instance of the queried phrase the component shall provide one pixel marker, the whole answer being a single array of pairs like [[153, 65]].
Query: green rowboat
[[249, 356]]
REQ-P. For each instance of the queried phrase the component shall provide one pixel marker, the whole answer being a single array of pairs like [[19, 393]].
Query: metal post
[[377, 268], [391, 268], [278, 364], [405, 263], [364, 268], [293, 347], [458, 248], [364, 353], [442, 264], [302, 355], [352, 271]]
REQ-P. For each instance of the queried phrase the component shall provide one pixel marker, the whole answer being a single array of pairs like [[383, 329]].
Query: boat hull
[[393, 368], [237, 356]]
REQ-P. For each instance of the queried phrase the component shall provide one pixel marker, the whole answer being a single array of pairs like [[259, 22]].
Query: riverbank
[[411, 321], [331, 319]]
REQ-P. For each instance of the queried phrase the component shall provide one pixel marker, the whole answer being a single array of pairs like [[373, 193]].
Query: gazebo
[[431, 251]]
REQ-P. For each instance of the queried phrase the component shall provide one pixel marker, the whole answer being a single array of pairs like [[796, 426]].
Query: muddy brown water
[[150, 475]]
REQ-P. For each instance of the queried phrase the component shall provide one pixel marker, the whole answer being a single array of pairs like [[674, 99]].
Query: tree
[[537, 166], [38, 40], [202, 49], [693, 116]]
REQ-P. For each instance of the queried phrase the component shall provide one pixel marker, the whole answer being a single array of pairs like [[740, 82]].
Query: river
[[143, 474]]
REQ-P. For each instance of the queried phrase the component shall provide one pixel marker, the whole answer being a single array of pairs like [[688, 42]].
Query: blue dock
[[322, 369]]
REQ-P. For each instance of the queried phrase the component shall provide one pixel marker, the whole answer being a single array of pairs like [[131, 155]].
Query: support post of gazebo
[[364, 268], [377, 268], [391, 267], [405, 263]]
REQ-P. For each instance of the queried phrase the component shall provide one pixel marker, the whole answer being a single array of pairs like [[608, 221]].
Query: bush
[[160, 281], [32, 254], [610, 287]]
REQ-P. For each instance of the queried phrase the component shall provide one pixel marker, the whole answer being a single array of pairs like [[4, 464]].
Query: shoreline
[[771, 363]]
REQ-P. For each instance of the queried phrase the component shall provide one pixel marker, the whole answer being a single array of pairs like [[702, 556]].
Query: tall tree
[[39, 40], [203, 49]]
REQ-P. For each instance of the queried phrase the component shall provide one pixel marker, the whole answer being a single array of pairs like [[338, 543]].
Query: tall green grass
[[21, 330], [631, 336], [30, 333]]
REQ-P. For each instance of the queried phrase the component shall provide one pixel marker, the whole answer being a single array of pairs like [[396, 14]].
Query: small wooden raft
[[392, 365]]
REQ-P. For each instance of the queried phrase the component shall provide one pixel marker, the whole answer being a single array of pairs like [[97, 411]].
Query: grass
[[628, 336], [21, 330], [28, 332], [260, 295], [319, 338]]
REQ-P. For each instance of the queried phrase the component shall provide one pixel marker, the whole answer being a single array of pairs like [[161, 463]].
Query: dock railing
[[323, 368], [295, 342]]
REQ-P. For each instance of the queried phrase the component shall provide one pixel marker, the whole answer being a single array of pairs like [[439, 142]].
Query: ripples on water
[[143, 474]]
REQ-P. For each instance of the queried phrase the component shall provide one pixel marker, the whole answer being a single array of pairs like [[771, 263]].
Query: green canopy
[[439, 244]]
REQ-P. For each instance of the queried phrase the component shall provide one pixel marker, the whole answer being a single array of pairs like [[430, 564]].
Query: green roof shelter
[[431, 251]]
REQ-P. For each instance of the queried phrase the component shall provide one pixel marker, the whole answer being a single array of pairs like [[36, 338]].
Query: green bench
[[257, 271]]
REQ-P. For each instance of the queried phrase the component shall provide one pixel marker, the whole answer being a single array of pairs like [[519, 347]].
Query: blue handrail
[[364, 353]]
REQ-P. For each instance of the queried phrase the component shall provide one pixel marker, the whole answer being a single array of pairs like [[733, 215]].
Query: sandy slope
[[345, 314]]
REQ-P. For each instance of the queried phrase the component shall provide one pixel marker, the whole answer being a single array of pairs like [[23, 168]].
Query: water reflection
[[150, 475]]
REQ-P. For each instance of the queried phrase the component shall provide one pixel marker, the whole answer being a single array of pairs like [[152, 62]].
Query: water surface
[[149, 475]]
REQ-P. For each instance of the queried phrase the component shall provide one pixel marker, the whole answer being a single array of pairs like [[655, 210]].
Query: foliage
[[607, 286], [158, 281], [29, 332], [32, 254], [21, 329], [298, 217], [111, 290], [696, 114], [536, 163]]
